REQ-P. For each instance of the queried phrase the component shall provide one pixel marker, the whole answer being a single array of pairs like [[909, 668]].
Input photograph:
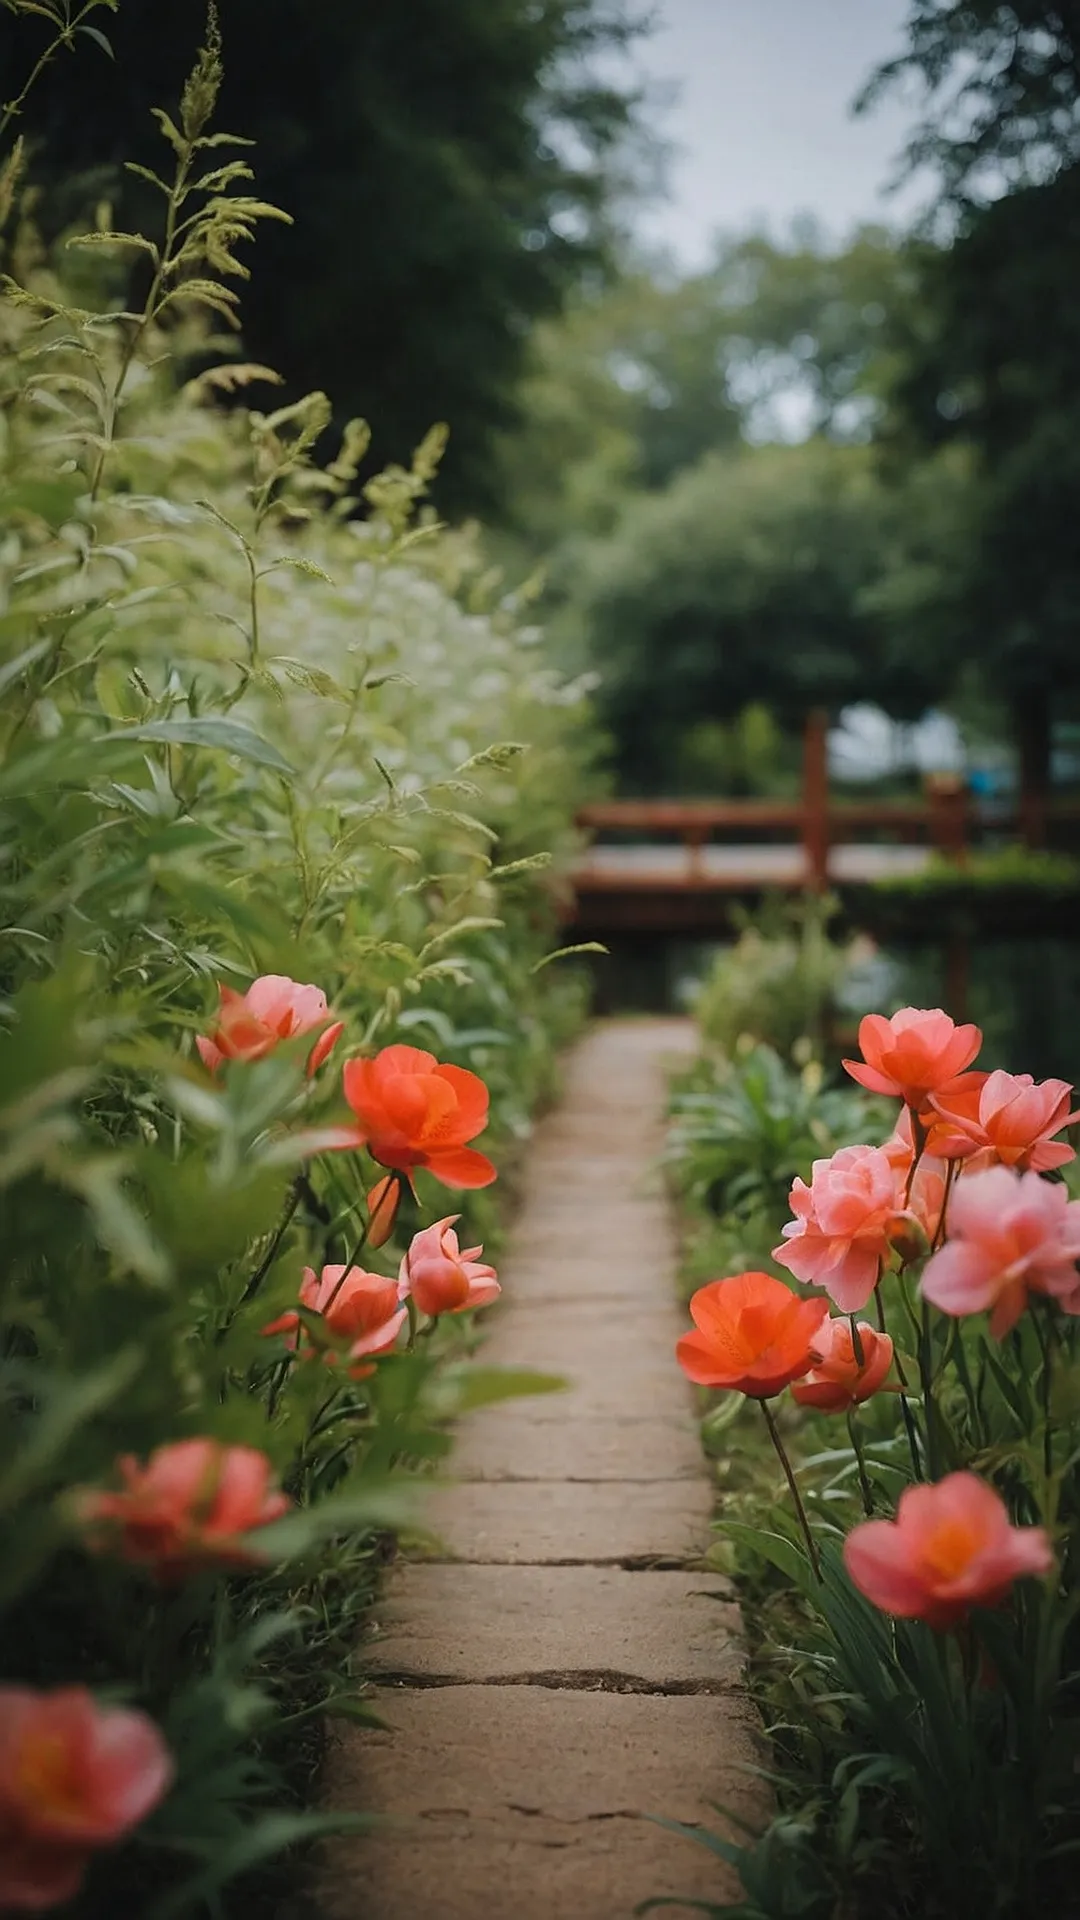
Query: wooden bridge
[[675, 867]]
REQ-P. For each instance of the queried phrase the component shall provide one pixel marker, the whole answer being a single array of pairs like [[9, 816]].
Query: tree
[[449, 168], [989, 358], [754, 577]]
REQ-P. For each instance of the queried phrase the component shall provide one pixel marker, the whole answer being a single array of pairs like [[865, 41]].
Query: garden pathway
[[562, 1670]]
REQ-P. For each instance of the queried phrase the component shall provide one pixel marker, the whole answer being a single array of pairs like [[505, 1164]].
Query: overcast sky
[[761, 121]]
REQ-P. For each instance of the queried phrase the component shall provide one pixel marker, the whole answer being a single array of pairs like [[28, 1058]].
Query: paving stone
[[647, 1629], [548, 1686], [508, 1522], [512, 1442], [538, 1799]]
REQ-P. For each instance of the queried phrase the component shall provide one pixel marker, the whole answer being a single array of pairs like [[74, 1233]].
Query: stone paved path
[[563, 1671]]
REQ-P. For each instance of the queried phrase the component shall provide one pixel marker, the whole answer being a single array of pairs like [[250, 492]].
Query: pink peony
[[1011, 1120], [273, 1009], [440, 1278], [1010, 1235], [73, 1776], [950, 1548], [846, 1219], [919, 1051], [190, 1506]]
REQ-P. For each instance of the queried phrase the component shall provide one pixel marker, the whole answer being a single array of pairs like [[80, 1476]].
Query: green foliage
[[780, 982], [243, 730], [741, 1130], [453, 167]]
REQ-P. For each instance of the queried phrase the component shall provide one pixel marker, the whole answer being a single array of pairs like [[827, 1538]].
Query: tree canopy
[[450, 168]]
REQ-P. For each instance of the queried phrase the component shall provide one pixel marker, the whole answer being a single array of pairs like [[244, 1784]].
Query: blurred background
[[754, 323]]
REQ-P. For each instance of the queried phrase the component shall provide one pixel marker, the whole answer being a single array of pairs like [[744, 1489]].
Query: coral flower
[[849, 1216], [753, 1336], [916, 1053], [1010, 1119], [440, 1278], [838, 1379], [190, 1506], [950, 1548], [73, 1776], [358, 1307], [415, 1113], [273, 1009], [1010, 1235]]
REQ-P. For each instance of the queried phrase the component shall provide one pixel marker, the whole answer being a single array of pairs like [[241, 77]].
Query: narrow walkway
[[563, 1672]]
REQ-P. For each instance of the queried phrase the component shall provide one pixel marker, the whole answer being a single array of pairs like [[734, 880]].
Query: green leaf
[[472, 1386], [227, 736], [564, 953]]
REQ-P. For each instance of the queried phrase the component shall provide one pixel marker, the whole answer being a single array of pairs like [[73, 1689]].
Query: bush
[[251, 726]]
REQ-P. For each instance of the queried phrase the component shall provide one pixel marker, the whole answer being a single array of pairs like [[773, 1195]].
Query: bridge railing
[[947, 819]]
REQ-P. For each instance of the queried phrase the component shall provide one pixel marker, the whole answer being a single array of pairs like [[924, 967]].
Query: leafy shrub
[[249, 725], [780, 982]]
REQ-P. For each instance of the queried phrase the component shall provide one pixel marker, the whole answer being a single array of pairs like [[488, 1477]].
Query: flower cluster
[[77, 1775], [959, 1194]]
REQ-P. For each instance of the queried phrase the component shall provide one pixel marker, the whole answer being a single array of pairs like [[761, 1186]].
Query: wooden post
[[949, 819], [816, 799], [1033, 732], [694, 838]]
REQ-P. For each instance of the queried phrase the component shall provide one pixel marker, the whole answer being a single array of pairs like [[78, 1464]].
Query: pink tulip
[[1010, 1235], [440, 1278], [73, 1776], [1011, 1121], [848, 1217], [950, 1548], [273, 1009], [190, 1506], [916, 1053], [360, 1308], [838, 1379]]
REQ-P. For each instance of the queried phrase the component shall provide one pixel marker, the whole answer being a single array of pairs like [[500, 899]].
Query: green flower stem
[[908, 1417], [811, 1545], [271, 1254], [856, 1447]]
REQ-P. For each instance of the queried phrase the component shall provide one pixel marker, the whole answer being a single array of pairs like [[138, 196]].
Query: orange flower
[[918, 1052], [1010, 1119], [838, 1379], [360, 1308], [442, 1279], [753, 1336], [273, 1009], [415, 1113], [190, 1506], [73, 1776], [950, 1548]]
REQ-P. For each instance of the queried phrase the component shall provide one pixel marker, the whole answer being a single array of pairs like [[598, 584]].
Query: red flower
[[273, 1009], [190, 1506], [838, 1379], [73, 1776], [442, 1279], [360, 1308], [415, 1113], [950, 1548], [916, 1053], [753, 1336]]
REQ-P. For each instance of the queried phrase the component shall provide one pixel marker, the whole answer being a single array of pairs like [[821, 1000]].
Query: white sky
[[761, 121]]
